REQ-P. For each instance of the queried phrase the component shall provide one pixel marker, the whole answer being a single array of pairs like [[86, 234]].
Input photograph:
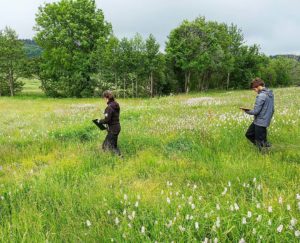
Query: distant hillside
[[31, 48], [296, 57]]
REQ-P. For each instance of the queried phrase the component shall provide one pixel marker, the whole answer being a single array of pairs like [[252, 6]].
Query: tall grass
[[188, 173]]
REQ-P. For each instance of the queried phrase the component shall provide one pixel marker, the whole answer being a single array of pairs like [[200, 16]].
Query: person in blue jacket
[[263, 112]]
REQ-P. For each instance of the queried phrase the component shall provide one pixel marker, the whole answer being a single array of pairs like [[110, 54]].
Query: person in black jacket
[[112, 119]]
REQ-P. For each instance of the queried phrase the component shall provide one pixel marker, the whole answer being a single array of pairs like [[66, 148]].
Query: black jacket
[[112, 117]]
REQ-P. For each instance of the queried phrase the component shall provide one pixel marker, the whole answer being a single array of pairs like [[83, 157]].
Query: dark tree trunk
[[11, 82], [187, 81], [136, 88], [151, 84], [124, 91], [228, 80]]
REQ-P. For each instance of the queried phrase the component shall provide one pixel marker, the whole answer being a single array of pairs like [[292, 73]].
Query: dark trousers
[[111, 143], [257, 135]]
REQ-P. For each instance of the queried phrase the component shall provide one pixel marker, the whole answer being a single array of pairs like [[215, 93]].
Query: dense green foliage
[[32, 50], [82, 57], [188, 172], [68, 32], [131, 67], [12, 61]]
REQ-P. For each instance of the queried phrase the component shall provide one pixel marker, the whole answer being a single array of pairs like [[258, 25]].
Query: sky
[[272, 24]]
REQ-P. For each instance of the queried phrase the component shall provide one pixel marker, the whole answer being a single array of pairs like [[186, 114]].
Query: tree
[[154, 62], [188, 45], [12, 58], [106, 63], [68, 32]]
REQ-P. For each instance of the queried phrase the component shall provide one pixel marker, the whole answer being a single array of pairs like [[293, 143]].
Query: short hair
[[108, 95], [257, 82]]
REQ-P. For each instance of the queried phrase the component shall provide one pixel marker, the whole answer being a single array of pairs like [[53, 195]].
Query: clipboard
[[99, 125]]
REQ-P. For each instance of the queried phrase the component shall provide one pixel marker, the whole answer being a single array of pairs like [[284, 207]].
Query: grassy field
[[188, 173]]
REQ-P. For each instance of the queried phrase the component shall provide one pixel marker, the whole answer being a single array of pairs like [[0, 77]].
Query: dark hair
[[257, 82], [108, 95]]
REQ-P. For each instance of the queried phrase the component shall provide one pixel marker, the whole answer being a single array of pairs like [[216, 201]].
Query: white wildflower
[[125, 197], [270, 209], [293, 221], [195, 187], [206, 240], [129, 225], [288, 207], [143, 230], [218, 207], [181, 228], [136, 204], [254, 231], [242, 240], [168, 200], [298, 196], [88, 223], [193, 206], [229, 184], [216, 240], [200, 198], [259, 218], [231, 208], [297, 233], [254, 179], [269, 222], [244, 220], [279, 228], [218, 222], [117, 221], [108, 212], [236, 206], [196, 225], [169, 224], [225, 191], [280, 200], [249, 214], [258, 205]]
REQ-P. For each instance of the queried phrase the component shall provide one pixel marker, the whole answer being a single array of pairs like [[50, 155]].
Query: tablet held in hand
[[244, 109], [99, 125]]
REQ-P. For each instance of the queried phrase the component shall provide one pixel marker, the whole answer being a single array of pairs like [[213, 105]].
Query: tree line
[[78, 55]]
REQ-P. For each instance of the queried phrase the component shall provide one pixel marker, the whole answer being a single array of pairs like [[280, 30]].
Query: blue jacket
[[264, 108]]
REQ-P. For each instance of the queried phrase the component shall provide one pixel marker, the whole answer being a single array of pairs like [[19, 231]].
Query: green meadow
[[188, 173]]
